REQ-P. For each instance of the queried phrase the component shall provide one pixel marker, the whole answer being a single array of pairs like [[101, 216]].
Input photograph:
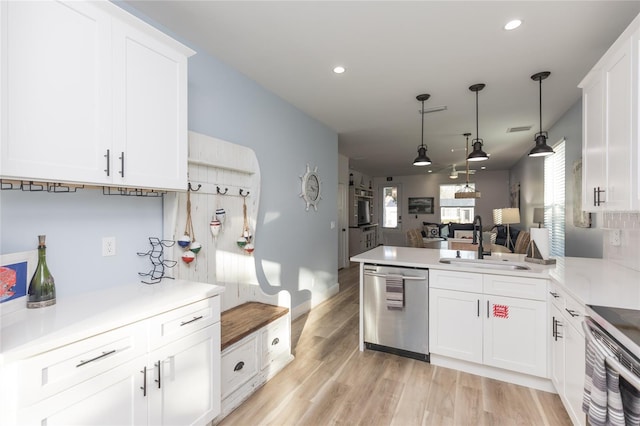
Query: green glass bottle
[[42, 288]]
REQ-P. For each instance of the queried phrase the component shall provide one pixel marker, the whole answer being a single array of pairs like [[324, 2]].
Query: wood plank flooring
[[332, 383]]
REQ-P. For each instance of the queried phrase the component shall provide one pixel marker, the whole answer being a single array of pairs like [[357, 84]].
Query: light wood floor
[[332, 383]]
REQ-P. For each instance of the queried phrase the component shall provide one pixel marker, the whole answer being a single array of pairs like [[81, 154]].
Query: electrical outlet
[[615, 238], [109, 246]]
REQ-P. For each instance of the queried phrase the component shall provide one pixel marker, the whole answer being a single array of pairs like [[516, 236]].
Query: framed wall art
[[16, 270], [420, 205]]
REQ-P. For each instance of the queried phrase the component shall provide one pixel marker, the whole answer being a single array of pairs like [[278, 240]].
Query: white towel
[[394, 292], [601, 399]]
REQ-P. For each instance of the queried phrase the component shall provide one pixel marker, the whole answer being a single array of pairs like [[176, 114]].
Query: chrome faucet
[[478, 232]]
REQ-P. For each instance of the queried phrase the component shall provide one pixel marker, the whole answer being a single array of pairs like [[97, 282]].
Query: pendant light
[[422, 159], [467, 191], [541, 149], [477, 154]]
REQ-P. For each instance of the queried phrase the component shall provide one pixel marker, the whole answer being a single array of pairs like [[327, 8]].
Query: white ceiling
[[395, 50]]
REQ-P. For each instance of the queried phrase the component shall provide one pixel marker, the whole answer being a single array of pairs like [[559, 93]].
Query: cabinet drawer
[[182, 321], [239, 364], [276, 340], [525, 288], [453, 280], [51, 372]]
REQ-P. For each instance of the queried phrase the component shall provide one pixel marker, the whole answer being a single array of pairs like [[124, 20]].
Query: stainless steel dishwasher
[[403, 331]]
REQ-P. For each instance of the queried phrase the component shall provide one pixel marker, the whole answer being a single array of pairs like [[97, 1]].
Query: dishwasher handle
[[404, 277]]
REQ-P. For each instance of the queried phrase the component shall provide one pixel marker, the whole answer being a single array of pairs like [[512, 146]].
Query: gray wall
[[493, 185], [223, 103], [579, 242]]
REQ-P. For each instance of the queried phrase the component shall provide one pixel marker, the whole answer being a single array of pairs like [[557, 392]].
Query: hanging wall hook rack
[[190, 188], [242, 194], [220, 192]]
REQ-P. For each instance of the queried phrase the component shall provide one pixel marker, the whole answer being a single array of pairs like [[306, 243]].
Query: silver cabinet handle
[[104, 354], [144, 381], [122, 164], [191, 320], [555, 295], [108, 157], [572, 312], [487, 309], [158, 380]]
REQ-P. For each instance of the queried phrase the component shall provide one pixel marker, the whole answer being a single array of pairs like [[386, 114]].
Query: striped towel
[[601, 401], [630, 402], [395, 292]]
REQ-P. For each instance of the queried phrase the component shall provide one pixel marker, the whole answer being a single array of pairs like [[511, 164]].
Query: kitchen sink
[[485, 263]]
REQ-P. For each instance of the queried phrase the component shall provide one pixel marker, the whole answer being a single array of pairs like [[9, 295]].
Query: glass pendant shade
[[541, 149], [422, 159]]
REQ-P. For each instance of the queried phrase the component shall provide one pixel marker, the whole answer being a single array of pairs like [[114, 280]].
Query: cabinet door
[[618, 116], [593, 146], [556, 331], [150, 111], [56, 91], [115, 397], [455, 324], [574, 373], [515, 334], [184, 386]]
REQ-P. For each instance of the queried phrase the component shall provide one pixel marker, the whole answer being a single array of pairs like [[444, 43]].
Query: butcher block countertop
[[590, 281], [240, 321]]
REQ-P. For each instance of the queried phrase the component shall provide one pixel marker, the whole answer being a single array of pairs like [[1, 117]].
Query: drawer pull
[[191, 320], [104, 354], [275, 341], [555, 295], [144, 381], [158, 380], [572, 312], [238, 366], [108, 157]]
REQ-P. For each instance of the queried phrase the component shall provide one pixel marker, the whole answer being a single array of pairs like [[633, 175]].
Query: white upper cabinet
[[56, 88], [94, 96], [610, 127]]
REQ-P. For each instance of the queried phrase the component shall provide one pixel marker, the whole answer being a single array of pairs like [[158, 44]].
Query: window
[[390, 207], [554, 217], [456, 210]]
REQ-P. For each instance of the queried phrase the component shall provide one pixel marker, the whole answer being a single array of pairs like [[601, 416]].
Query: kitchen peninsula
[[497, 322]]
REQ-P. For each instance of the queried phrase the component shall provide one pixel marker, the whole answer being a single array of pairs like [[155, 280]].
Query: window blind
[[554, 195]]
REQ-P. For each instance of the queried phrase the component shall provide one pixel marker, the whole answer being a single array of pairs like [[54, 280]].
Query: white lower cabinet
[[567, 352], [135, 375], [485, 328], [252, 361]]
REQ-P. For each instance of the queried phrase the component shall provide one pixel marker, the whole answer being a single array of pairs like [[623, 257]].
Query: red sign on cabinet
[[500, 311]]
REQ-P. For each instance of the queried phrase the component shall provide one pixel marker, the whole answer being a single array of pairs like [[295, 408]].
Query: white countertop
[[589, 281], [27, 331]]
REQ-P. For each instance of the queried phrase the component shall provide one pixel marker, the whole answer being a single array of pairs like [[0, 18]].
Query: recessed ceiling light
[[483, 167], [339, 69], [430, 171], [512, 25]]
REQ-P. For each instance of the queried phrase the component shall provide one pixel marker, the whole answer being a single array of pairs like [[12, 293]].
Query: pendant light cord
[[540, 105], [477, 131], [422, 132]]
